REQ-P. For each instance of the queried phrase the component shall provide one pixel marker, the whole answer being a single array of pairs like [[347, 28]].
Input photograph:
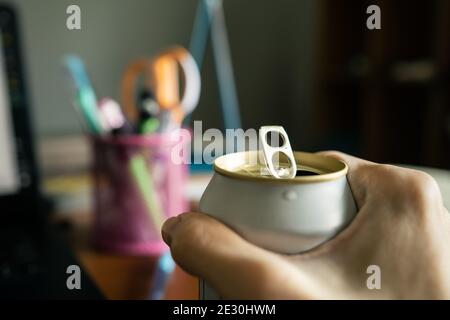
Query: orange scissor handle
[[161, 75], [167, 86], [167, 81], [129, 81]]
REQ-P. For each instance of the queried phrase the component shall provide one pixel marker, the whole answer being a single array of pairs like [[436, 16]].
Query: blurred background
[[311, 66], [272, 45]]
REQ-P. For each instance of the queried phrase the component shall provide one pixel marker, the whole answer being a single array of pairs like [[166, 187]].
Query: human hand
[[401, 226]]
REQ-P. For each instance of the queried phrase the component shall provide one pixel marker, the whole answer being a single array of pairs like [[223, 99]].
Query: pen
[[85, 95], [87, 104], [144, 182], [148, 103], [163, 270], [112, 118], [149, 126], [76, 68], [148, 123], [111, 115]]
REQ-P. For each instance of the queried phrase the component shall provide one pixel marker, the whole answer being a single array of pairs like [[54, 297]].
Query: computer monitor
[[18, 173], [9, 170]]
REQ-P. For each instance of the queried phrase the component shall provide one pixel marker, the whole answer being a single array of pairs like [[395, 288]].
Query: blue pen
[[86, 98], [163, 270], [77, 70], [87, 102]]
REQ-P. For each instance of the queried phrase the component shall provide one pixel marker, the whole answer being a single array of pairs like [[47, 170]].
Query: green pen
[[144, 182], [149, 126]]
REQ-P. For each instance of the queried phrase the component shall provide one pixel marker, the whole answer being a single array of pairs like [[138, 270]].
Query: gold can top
[[249, 165]]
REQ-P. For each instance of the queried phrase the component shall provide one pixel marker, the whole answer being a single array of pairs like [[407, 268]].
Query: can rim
[[333, 168]]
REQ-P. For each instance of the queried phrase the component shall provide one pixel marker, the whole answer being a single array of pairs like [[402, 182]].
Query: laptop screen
[[9, 172]]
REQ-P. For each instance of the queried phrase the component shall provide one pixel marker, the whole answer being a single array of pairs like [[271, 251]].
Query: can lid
[[249, 165]]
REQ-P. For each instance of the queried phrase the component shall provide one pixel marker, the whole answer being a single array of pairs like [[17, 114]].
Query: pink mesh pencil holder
[[135, 179]]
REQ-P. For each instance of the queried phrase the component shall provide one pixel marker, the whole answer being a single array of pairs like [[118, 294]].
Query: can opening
[[310, 167], [306, 173]]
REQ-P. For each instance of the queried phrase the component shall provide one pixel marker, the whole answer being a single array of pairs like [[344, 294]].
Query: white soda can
[[285, 215]]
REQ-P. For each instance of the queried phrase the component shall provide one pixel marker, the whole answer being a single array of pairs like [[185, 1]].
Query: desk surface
[[117, 276], [122, 277]]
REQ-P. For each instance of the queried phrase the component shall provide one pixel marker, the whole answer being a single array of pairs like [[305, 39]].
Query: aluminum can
[[287, 216]]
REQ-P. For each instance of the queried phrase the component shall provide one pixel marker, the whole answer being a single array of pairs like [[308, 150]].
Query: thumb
[[234, 267]]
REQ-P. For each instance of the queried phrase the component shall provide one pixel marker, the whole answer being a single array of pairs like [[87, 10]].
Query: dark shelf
[[386, 89]]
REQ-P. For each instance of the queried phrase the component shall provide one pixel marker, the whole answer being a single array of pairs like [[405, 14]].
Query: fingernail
[[167, 229]]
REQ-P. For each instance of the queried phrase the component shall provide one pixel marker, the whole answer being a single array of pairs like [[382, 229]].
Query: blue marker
[[87, 102], [164, 269], [76, 68], [86, 98]]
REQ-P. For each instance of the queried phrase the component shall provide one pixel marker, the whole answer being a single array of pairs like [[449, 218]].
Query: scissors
[[161, 75]]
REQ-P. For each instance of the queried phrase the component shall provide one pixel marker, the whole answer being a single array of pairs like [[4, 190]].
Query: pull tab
[[272, 153]]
